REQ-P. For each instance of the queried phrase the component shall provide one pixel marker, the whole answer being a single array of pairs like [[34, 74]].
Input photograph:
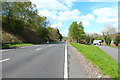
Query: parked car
[[97, 42]]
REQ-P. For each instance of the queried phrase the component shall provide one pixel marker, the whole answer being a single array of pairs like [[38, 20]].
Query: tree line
[[22, 20], [109, 34]]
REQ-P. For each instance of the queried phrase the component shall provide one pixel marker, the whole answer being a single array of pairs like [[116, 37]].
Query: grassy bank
[[99, 58]]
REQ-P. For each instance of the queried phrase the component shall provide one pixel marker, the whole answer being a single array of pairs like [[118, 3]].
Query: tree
[[73, 30], [117, 40], [91, 40], [81, 33], [87, 39], [15, 13], [60, 35], [54, 34], [22, 17], [95, 35], [76, 31], [107, 30], [108, 40]]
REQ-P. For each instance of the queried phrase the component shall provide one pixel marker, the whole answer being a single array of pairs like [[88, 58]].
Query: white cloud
[[58, 11], [89, 17], [103, 0], [69, 3], [64, 14], [60, 16], [51, 15], [86, 19], [69, 15], [86, 23], [49, 4], [65, 32], [57, 25], [106, 15]]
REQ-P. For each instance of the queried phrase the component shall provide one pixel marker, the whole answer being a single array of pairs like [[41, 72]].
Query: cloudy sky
[[94, 15]]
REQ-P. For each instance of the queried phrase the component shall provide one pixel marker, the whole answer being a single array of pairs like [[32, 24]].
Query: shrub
[[9, 38], [91, 40], [108, 40], [87, 39], [117, 40]]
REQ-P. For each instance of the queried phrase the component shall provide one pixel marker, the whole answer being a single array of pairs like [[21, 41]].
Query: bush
[[9, 38], [82, 41], [108, 40], [91, 40], [117, 40], [87, 39]]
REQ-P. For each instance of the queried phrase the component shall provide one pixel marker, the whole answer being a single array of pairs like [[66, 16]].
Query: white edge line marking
[[4, 60], [65, 63], [3, 50], [38, 48], [6, 50]]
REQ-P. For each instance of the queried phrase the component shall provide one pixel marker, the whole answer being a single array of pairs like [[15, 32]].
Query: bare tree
[[109, 29], [95, 35]]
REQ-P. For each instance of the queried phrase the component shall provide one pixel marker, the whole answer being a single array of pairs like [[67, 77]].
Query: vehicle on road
[[97, 42]]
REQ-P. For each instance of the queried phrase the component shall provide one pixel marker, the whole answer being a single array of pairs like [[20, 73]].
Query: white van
[[97, 42]]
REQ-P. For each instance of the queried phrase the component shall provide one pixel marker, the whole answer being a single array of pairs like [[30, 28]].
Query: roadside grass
[[15, 45], [99, 58]]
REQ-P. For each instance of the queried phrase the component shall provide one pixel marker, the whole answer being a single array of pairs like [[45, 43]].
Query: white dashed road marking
[[38, 48], [4, 60]]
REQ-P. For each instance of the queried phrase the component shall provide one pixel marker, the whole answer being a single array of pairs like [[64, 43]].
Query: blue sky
[[94, 15]]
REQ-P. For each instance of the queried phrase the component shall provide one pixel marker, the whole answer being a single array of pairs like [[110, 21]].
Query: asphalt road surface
[[114, 53], [38, 61], [41, 61]]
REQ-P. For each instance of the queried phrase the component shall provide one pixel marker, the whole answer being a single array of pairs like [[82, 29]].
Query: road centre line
[[4, 60], [66, 63], [38, 48]]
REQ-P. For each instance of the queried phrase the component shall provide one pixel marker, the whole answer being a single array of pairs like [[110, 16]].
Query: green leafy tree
[[59, 35], [54, 34], [107, 40], [21, 18], [76, 31], [117, 40], [107, 31], [87, 39]]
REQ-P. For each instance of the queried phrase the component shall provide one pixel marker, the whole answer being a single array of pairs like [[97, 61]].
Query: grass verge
[[15, 45], [99, 58]]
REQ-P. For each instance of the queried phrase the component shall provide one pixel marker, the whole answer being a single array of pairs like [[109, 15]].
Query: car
[[97, 42]]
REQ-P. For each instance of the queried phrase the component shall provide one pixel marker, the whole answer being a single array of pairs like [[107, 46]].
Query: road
[[41, 61], [112, 52]]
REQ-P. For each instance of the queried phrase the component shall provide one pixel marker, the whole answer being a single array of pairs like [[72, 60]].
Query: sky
[[94, 15]]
